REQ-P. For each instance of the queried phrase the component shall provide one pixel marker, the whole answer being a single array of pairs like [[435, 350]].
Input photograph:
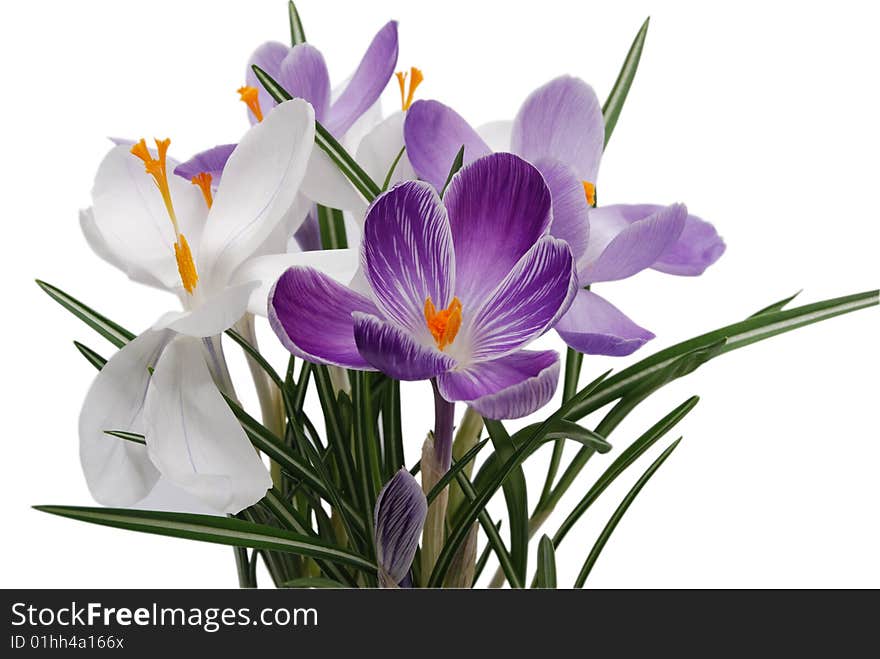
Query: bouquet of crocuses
[[410, 247]]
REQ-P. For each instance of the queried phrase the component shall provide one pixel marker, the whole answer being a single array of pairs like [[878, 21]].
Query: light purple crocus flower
[[560, 130], [399, 516], [301, 70], [453, 290]]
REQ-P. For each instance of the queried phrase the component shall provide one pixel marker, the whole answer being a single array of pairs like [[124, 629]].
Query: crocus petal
[[268, 57], [312, 316], [325, 184], [562, 120], [407, 252], [497, 134], [99, 246], [698, 246], [211, 161], [367, 82], [119, 472], [395, 352], [434, 133], [338, 264], [506, 388], [131, 218], [211, 315], [570, 208], [304, 75], [526, 304], [594, 326], [379, 149], [193, 437], [259, 187], [399, 516], [499, 206], [618, 249]]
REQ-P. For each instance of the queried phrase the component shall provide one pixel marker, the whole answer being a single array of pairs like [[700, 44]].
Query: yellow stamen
[[203, 180], [590, 191], [185, 265], [415, 79], [156, 167], [443, 324], [250, 96]]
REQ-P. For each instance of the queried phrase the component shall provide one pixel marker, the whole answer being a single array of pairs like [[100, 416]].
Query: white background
[[763, 118]]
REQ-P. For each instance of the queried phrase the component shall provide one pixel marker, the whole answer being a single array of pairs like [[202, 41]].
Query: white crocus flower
[[163, 384]]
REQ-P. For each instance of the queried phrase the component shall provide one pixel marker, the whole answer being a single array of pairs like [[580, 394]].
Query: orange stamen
[[590, 191], [250, 96], [156, 167], [203, 180], [415, 79], [443, 324]]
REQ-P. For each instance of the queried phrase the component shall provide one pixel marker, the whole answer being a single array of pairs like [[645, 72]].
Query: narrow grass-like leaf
[[297, 33], [516, 497], [484, 556], [93, 357], [457, 163], [632, 453], [617, 97], [619, 513], [776, 306], [545, 576], [457, 466], [340, 157], [331, 225], [212, 528], [114, 333], [391, 169], [127, 436], [313, 582]]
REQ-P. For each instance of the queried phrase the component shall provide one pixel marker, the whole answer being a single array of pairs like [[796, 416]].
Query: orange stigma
[[203, 180], [156, 167], [415, 79], [590, 191], [250, 96], [443, 324]]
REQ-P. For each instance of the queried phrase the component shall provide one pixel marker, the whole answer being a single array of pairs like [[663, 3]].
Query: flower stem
[[436, 459]]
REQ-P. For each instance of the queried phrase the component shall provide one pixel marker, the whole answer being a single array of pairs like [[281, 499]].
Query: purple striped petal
[[506, 388], [399, 516], [268, 57], [312, 316], [499, 206], [594, 326], [563, 121], [367, 82], [395, 352], [407, 254], [433, 134], [304, 74], [528, 302], [570, 208], [619, 249], [212, 161]]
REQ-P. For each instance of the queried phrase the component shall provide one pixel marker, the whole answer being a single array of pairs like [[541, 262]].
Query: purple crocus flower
[[453, 290], [398, 520], [560, 130], [301, 70]]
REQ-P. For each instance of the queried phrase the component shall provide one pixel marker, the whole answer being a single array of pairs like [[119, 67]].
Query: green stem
[[573, 362]]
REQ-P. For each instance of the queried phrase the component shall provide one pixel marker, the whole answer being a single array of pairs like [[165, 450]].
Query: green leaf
[[331, 225], [632, 453], [737, 335], [340, 157], [212, 528], [776, 306], [391, 169], [617, 97], [93, 357], [484, 555], [457, 163], [115, 334], [516, 498], [297, 33], [545, 577], [618, 514], [457, 466], [313, 582], [127, 436]]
